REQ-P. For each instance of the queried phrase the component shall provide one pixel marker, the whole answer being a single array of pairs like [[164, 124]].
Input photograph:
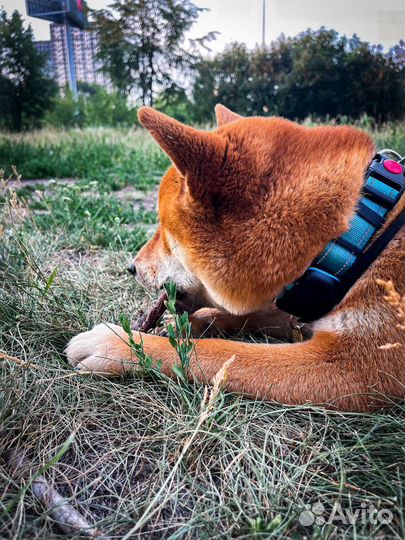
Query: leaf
[[50, 280], [177, 370], [159, 365], [126, 326], [274, 523]]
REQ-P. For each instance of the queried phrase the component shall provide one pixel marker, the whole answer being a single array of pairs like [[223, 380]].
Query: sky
[[377, 21]]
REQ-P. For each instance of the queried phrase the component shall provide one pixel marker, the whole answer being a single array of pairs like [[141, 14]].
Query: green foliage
[[145, 365], [93, 219], [95, 107], [25, 92], [142, 44], [108, 109], [333, 75], [226, 79], [175, 103], [179, 332], [317, 73], [65, 112]]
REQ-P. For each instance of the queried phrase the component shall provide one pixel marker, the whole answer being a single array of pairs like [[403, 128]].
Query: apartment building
[[85, 49]]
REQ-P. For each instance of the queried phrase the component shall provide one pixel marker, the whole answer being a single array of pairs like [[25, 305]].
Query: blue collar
[[333, 272]]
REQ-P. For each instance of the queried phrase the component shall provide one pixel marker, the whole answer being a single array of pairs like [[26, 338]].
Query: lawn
[[133, 454]]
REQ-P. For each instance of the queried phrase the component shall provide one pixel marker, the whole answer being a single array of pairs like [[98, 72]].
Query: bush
[[94, 107]]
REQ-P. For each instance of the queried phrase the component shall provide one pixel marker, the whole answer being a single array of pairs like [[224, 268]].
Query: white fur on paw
[[103, 349]]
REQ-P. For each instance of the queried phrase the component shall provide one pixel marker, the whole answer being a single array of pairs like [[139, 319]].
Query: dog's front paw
[[103, 350], [206, 322]]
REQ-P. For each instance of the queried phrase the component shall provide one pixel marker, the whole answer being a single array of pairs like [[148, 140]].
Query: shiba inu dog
[[243, 210]]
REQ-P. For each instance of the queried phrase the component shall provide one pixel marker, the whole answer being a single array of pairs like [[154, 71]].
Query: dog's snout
[[132, 269]]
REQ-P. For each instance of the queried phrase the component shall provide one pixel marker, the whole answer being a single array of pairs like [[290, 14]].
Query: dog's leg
[[212, 322], [321, 370]]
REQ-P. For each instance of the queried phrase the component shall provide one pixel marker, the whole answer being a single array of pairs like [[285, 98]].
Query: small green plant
[[262, 528], [145, 363], [179, 332]]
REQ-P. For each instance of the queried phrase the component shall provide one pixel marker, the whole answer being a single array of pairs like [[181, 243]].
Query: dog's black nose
[[132, 269]]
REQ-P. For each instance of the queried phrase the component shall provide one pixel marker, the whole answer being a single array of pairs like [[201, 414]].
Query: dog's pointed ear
[[224, 115], [196, 154]]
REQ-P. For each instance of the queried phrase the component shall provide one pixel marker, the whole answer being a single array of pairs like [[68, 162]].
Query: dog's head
[[245, 208]]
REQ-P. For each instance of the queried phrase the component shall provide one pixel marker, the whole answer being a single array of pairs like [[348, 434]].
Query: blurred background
[[67, 63]]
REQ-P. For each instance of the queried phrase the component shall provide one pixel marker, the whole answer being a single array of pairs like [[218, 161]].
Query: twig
[[18, 361], [146, 322], [68, 519]]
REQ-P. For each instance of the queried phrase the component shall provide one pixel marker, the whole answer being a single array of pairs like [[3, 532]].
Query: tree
[[25, 91], [246, 81], [332, 75], [142, 44], [175, 103], [317, 73], [225, 79]]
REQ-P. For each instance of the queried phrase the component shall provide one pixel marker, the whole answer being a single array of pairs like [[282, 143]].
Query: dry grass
[[394, 299]]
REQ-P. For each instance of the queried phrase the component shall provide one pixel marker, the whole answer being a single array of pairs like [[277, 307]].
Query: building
[[45, 47], [85, 48]]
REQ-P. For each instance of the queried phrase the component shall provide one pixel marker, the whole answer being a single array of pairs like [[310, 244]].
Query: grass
[[148, 454], [116, 157], [92, 218], [113, 157]]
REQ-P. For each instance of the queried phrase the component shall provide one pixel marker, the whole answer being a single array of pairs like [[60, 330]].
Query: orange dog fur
[[243, 211]]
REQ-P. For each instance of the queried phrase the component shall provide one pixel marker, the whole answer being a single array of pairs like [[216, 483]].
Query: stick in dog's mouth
[[148, 321]]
